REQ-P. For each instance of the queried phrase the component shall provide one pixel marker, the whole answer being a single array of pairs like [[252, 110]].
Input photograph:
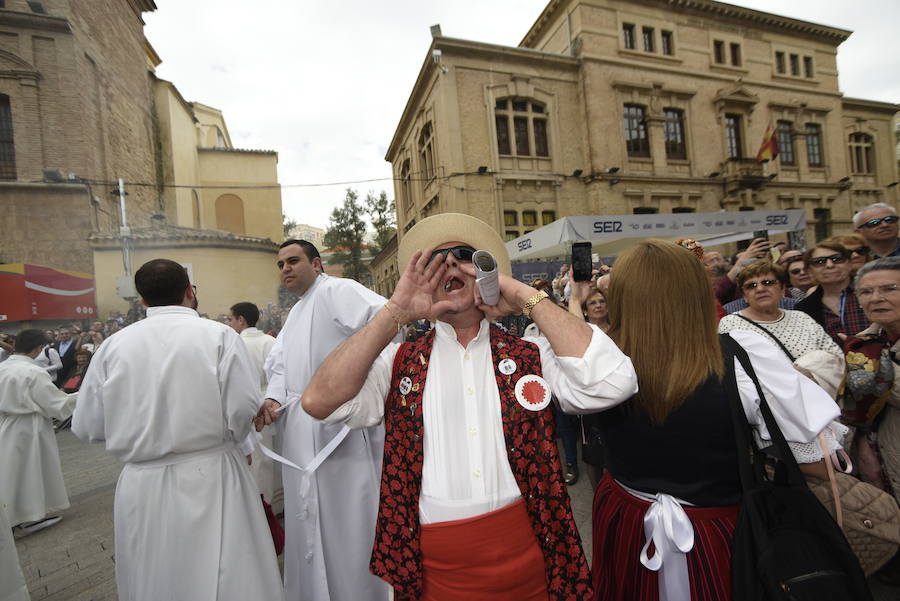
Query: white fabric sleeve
[[602, 378], [89, 419], [238, 386], [53, 402], [248, 444], [367, 407], [826, 368], [274, 368], [356, 305], [801, 408], [55, 362]]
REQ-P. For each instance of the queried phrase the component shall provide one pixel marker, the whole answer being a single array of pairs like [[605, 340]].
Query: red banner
[[29, 292]]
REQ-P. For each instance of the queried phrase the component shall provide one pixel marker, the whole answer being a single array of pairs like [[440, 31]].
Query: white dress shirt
[[466, 471]]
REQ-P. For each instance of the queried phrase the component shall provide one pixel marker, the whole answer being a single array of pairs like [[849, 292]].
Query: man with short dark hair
[[330, 507], [242, 318], [66, 346], [171, 396], [31, 480]]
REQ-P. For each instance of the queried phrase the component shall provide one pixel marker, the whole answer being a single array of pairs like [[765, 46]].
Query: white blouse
[[466, 470]]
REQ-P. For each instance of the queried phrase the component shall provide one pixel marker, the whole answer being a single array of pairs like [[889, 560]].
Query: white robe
[[170, 395], [330, 529], [31, 480], [259, 344], [12, 581]]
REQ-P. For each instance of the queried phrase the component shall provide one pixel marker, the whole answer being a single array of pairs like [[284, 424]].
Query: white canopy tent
[[611, 234]]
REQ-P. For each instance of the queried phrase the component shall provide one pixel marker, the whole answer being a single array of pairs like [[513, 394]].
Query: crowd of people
[[414, 437]]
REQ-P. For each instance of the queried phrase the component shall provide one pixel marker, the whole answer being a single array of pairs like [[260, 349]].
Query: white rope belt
[[668, 527]]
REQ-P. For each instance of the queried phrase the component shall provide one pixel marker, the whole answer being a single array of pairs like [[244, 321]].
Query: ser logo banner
[[776, 220], [524, 244], [607, 227]]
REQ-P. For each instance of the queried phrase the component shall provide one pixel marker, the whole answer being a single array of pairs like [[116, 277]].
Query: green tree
[[345, 235], [381, 214], [288, 224]]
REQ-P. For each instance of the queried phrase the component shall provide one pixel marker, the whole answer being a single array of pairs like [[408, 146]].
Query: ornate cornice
[[20, 20]]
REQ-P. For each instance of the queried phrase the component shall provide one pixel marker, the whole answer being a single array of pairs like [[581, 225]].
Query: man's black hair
[[309, 249], [248, 311], [161, 282], [28, 340]]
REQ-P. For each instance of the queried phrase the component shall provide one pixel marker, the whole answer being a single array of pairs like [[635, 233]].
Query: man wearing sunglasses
[[878, 224], [472, 497], [832, 304]]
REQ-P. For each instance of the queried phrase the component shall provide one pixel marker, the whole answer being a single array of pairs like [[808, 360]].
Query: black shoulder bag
[[786, 545]]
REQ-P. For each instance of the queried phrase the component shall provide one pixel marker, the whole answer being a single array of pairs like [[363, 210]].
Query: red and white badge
[[533, 392]]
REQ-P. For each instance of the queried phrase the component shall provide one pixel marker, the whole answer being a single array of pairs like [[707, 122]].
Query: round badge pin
[[533, 392], [507, 367], [405, 385]]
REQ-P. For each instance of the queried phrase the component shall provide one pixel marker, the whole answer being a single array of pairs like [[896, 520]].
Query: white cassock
[[330, 514], [259, 344], [31, 480], [12, 582], [170, 395]]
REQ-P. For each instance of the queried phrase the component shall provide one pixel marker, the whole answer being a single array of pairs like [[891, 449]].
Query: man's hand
[[756, 250], [267, 414], [513, 295], [413, 295]]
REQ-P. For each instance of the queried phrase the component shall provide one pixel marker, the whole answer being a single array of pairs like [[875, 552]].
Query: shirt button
[[473, 431], [416, 437], [469, 391], [477, 473], [467, 356]]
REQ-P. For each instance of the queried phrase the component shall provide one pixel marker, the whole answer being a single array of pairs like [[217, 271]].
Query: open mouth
[[452, 284]]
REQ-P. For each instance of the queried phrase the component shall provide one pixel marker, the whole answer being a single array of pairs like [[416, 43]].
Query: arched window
[[7, 147], [230, 214], [195, 209], [426, 151], [521, 127], [636, 140], [861, 159]]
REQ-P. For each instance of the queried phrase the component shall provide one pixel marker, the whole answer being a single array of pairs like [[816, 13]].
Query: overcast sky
[[324, 82]]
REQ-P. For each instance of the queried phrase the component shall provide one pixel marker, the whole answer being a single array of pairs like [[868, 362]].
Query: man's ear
[[143, 302], [317, 265]]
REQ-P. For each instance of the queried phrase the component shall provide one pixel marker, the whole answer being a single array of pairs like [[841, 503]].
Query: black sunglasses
[[796, 271], [767, 283], [876, 222], [463, 253], [820, 261], [862, 250]]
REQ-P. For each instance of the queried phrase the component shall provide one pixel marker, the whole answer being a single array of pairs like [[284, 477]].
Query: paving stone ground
[[73, 561]]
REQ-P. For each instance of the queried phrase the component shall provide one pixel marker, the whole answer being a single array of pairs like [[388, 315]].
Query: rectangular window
[[510, 218], [628, 35], [735, 54], [7, 146], [647, 34], [814, 144], [529, 218], [540, 138], [668, 47], [719, 51], [786, 142], [683, 209], [548, 217], [822, 218], [807, 67], [674, 132], [733, 136], [795, 65], [636, 141], [520, 124], [645, 211], [779, 62], [503, 135], [511, 235]]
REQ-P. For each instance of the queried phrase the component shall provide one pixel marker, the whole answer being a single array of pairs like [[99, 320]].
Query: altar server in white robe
[[31, 479], [329, 514], [242, 317], [171, 395], [12, 582]]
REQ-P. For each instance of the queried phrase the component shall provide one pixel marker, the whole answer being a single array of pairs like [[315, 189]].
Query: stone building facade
[[80, 107], [613, 107]]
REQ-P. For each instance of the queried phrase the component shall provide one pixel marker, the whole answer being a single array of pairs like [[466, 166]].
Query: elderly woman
[[803, 341], [872, 397], [673, 444], [595, 309], [832, 304]]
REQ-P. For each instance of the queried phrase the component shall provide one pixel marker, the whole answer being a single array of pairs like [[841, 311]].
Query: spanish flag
[[768, 150]]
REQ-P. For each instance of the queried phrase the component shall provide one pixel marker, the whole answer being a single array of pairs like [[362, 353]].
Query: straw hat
[[453, 227]]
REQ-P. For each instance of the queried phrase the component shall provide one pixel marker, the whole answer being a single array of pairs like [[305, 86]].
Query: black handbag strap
[[794, 476], [770, 335], [742, 435]]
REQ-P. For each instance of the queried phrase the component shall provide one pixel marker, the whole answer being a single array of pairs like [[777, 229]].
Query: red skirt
[[618, 534], [491, 557]]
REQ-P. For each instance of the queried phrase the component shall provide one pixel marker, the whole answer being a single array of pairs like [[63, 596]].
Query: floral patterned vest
[[533, 456]]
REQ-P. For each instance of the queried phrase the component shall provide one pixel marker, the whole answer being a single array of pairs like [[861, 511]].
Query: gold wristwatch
[[532, 302]]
